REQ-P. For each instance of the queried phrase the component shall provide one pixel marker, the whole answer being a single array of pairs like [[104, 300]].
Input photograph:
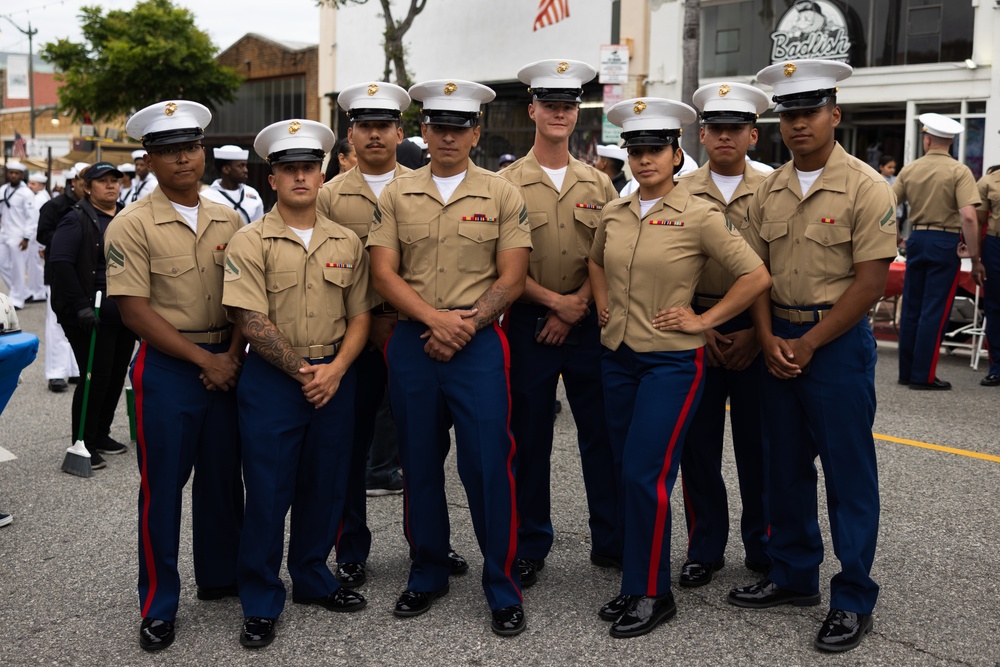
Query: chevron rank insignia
[[115, 260], [232, 271]]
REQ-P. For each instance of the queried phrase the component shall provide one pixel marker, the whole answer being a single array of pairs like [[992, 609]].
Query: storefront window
[[738, 37]]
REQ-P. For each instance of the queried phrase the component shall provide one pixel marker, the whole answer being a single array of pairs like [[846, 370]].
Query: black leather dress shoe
[[612, 611], [341, 600], [155, 634], [509, 621], [758, 566], [991, 380], [351, 575], [217, 593], [529, 568], [842, 630], [644, 613], [414, 603], [765, 593], [606, 561], [695, 574], [58, 385], [257, 632], [937, 385], [458, 564]]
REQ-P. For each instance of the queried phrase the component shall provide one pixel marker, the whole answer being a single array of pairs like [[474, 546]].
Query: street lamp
[[31, 67]]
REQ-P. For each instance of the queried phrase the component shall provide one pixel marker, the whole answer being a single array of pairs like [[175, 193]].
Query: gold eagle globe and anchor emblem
[[563, 66], [724, 90], [294, 127], [372, 89], [170, 108], [790, 69], [449, 88], [639, 107]]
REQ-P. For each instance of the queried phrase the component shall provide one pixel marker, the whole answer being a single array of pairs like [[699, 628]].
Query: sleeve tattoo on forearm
[[267, 341], [491, 305]]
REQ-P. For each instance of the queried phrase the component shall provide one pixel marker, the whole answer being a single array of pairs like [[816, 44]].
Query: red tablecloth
[[897, 270]]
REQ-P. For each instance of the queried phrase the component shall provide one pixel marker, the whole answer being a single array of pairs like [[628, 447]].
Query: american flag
[[551, 11], [20, 146]]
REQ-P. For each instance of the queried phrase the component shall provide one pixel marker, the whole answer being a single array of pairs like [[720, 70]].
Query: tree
[[395, 53], [132, 58], [689, 79]]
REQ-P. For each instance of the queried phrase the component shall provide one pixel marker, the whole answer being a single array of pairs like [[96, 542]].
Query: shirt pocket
[[586, 226], [172, 282], [775, 234], [338, 281], [415, 251], [829, 253], [477, 246], [281, 296]]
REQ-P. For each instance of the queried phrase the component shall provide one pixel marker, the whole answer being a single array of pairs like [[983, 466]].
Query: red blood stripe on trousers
[[140, 435], [940, 332], [512, 544], [662, 497]]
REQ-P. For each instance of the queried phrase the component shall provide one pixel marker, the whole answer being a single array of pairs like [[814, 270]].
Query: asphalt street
[[68, 563]]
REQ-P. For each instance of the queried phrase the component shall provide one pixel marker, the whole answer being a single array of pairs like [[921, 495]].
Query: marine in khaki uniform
[[825, 225], [374, 110], [646, 259], [164, 258], [943, 198], [297, 286], [449, 247], [988, 215], [729, 112], [552, 330]]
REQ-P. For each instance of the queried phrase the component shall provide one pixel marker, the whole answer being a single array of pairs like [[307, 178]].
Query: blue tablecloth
[[17, 351]]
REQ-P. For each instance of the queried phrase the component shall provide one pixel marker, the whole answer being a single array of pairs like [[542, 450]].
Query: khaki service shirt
[[562, 222], [448, 251], [349, 201], [989, 193], [151, 252], [655, 262], [716, 281], [936, 186], [811, 244], [309, 294]]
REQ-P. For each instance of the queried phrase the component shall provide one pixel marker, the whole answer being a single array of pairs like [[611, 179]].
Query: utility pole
[[31, 67]]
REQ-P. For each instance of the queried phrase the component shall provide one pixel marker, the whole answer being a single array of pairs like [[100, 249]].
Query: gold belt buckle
[[796, 316], [316, 351], [215, 337]]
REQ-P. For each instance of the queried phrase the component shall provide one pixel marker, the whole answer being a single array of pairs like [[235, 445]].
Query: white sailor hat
[[38, 177], [612, 151], [139, 154], [730, 102], [451, 101], [126, 168], [169, 122], [940, 126], [294, 140], [556, 80], [419, 141], [373, 101], [80, 167], [651, 121], [803, 84], [14, 165], [230, 152]]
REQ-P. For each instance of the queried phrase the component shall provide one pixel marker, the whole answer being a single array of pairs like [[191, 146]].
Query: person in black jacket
[[77, 271]]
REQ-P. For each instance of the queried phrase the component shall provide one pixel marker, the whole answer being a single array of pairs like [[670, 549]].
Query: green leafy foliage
[[132, 58]]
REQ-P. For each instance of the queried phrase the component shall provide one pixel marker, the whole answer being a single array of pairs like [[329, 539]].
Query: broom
[[77, 460]]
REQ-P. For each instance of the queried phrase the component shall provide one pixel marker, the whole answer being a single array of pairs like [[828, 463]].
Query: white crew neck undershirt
[[378, 181], [446, 185], [189, 214], [727, 184], [557, 176], [304, 234], [646, 204], [807, 178]]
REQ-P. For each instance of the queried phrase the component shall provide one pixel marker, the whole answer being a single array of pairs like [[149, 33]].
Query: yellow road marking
[[938, 448]]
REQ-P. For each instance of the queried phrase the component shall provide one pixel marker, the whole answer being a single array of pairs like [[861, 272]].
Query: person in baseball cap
[[506, 160]]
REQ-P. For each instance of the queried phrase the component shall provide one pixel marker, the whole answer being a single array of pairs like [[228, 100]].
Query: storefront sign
[[811, 29], [614, 64], [610, 133]]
